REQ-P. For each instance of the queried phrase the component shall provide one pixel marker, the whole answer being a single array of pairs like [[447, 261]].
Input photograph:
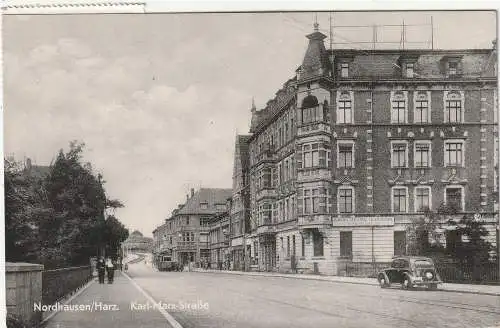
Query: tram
[[165, 263]]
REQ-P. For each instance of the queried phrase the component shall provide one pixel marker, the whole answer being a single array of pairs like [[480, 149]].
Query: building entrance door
[[270, 255]]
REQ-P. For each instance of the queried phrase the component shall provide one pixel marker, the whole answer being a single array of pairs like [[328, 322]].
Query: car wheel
[[406, 284], [433, 286]]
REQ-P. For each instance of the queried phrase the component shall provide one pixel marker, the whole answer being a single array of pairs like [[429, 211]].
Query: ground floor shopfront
[[350, 246]]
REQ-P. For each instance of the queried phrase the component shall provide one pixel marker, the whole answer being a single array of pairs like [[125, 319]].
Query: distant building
[[136, 242], [359, 142], [239, 209], [219, 238], [187, 230]]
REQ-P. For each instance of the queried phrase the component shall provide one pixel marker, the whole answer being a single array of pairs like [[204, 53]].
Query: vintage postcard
[[237, 167]]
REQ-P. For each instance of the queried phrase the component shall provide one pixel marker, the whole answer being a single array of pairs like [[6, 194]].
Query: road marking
[[174, 323], [68, 301]]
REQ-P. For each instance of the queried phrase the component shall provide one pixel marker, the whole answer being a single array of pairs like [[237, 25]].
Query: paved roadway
[[256, 301]]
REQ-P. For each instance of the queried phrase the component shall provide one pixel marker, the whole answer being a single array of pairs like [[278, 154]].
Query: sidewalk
[[120, 304], [493, 290]]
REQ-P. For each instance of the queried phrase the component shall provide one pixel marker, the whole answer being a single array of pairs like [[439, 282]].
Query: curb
[[240, 273]]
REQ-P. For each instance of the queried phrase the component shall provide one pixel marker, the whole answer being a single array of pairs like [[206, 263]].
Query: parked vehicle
[[410, 272]]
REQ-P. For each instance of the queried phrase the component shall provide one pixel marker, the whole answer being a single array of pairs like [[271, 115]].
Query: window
[[187, 220], [422, 107], [317, 243], [454, 153], [265, 178], [452, 68], [399, 199], [264, 214], [344, 108], [422, 155], [311, 115], [345, 153], [453, 107], [454, 197], [398, 107], [422, 198], [204, 206], [293, 245], [315, 155], [399, 154], [345, 200], [399, 243], [314, 200], [410, 70], [346, 244], [344, 70]]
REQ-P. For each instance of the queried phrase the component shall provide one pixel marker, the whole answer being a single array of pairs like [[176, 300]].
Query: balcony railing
[[314, 173], [266, 192], [314, 128]]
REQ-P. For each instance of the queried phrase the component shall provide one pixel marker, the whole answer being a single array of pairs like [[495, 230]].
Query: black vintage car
[[410, 272]]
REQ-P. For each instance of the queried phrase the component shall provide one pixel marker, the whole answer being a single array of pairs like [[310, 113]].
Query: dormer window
[[452, 68], [204, 205], [410, 70], [344, 70]]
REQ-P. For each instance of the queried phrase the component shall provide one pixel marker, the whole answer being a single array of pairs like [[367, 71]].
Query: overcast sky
[[159, 98]]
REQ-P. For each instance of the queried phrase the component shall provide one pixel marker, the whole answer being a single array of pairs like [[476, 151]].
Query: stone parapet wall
[[24, 289]]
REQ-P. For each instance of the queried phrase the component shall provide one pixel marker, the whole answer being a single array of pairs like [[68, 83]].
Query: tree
[[78, 199], [22, 205], [475, 250], [114, 234], [424, 234]]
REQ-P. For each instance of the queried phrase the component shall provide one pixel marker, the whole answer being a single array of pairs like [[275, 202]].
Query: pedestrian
[[101, 269], [110, 268]]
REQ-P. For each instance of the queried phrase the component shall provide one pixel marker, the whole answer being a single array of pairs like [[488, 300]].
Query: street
[[254, 301]]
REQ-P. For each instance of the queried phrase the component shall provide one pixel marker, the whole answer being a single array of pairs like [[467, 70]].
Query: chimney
[[28, 164], [192, 192]]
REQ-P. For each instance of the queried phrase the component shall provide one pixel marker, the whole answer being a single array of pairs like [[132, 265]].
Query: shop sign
[[354, 221]]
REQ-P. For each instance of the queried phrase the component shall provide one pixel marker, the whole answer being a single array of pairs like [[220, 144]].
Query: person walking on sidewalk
[[101, 269], [110, 268]]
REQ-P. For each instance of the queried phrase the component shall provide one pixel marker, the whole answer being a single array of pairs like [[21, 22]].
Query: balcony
[[314, 221], [314, 173], [265, 193], [266, 229], [312, 128], [265, 155]]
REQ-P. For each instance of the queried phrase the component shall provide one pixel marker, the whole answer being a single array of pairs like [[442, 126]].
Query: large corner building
[[357, 144]]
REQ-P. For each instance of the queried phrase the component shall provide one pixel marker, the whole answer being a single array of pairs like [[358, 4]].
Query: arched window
[[310, 110], [309, 101], [453, 112]]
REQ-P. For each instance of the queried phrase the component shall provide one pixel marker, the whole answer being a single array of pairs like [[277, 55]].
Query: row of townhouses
[[350, 151]]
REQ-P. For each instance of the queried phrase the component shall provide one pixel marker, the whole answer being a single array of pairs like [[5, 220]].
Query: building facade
[[219, 238], [187, 230], [239, 210], [359, 144]]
